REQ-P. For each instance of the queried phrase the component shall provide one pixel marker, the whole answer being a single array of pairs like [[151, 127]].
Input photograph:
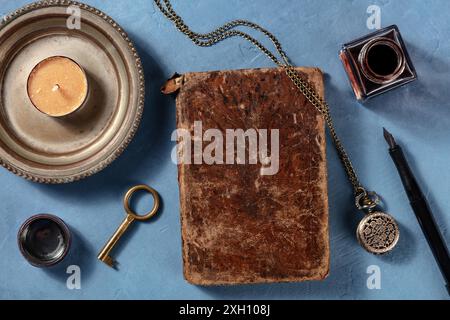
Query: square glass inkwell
[[377, 63]]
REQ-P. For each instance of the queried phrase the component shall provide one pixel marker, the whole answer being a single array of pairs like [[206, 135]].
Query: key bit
[[109, 261]]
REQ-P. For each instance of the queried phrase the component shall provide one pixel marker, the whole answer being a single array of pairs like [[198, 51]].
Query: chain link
[[228, 31]]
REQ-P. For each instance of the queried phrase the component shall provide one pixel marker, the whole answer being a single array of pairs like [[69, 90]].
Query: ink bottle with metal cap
[[377, 63]]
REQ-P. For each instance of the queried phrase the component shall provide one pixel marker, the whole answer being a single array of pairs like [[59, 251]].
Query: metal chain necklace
[[378, 232]]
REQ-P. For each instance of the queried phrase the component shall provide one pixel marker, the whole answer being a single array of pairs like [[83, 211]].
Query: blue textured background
[[312, 33]]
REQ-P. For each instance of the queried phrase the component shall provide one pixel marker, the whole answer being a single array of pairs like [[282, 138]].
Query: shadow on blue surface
[[405, 250], [421, 103], [80, 254]]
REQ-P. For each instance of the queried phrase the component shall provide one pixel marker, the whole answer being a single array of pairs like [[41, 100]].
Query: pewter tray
[[51, 150]]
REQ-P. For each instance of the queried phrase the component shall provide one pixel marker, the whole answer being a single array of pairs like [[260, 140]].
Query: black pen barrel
[[433, 236], [423, 213], [409, 181]]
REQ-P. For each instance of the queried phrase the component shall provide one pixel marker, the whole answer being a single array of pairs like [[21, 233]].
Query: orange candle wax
[[57, 86]]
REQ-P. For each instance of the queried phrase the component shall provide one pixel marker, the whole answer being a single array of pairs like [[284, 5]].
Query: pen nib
[[389, 138]]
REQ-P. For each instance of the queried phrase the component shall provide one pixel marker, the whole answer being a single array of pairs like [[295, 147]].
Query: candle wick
[[56, 87]]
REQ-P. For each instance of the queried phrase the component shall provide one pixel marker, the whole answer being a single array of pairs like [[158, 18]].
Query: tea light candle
[[57, 86]]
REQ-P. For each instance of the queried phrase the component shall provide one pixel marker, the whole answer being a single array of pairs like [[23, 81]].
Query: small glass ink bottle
[[377, 63]]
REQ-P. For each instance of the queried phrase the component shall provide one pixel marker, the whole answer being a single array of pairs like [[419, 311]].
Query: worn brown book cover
[[252, 220]]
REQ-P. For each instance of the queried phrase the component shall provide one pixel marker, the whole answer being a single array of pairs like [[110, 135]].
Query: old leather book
[[239, 226]]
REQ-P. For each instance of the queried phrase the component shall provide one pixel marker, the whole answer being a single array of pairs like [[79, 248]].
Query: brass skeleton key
[[104, 255]]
